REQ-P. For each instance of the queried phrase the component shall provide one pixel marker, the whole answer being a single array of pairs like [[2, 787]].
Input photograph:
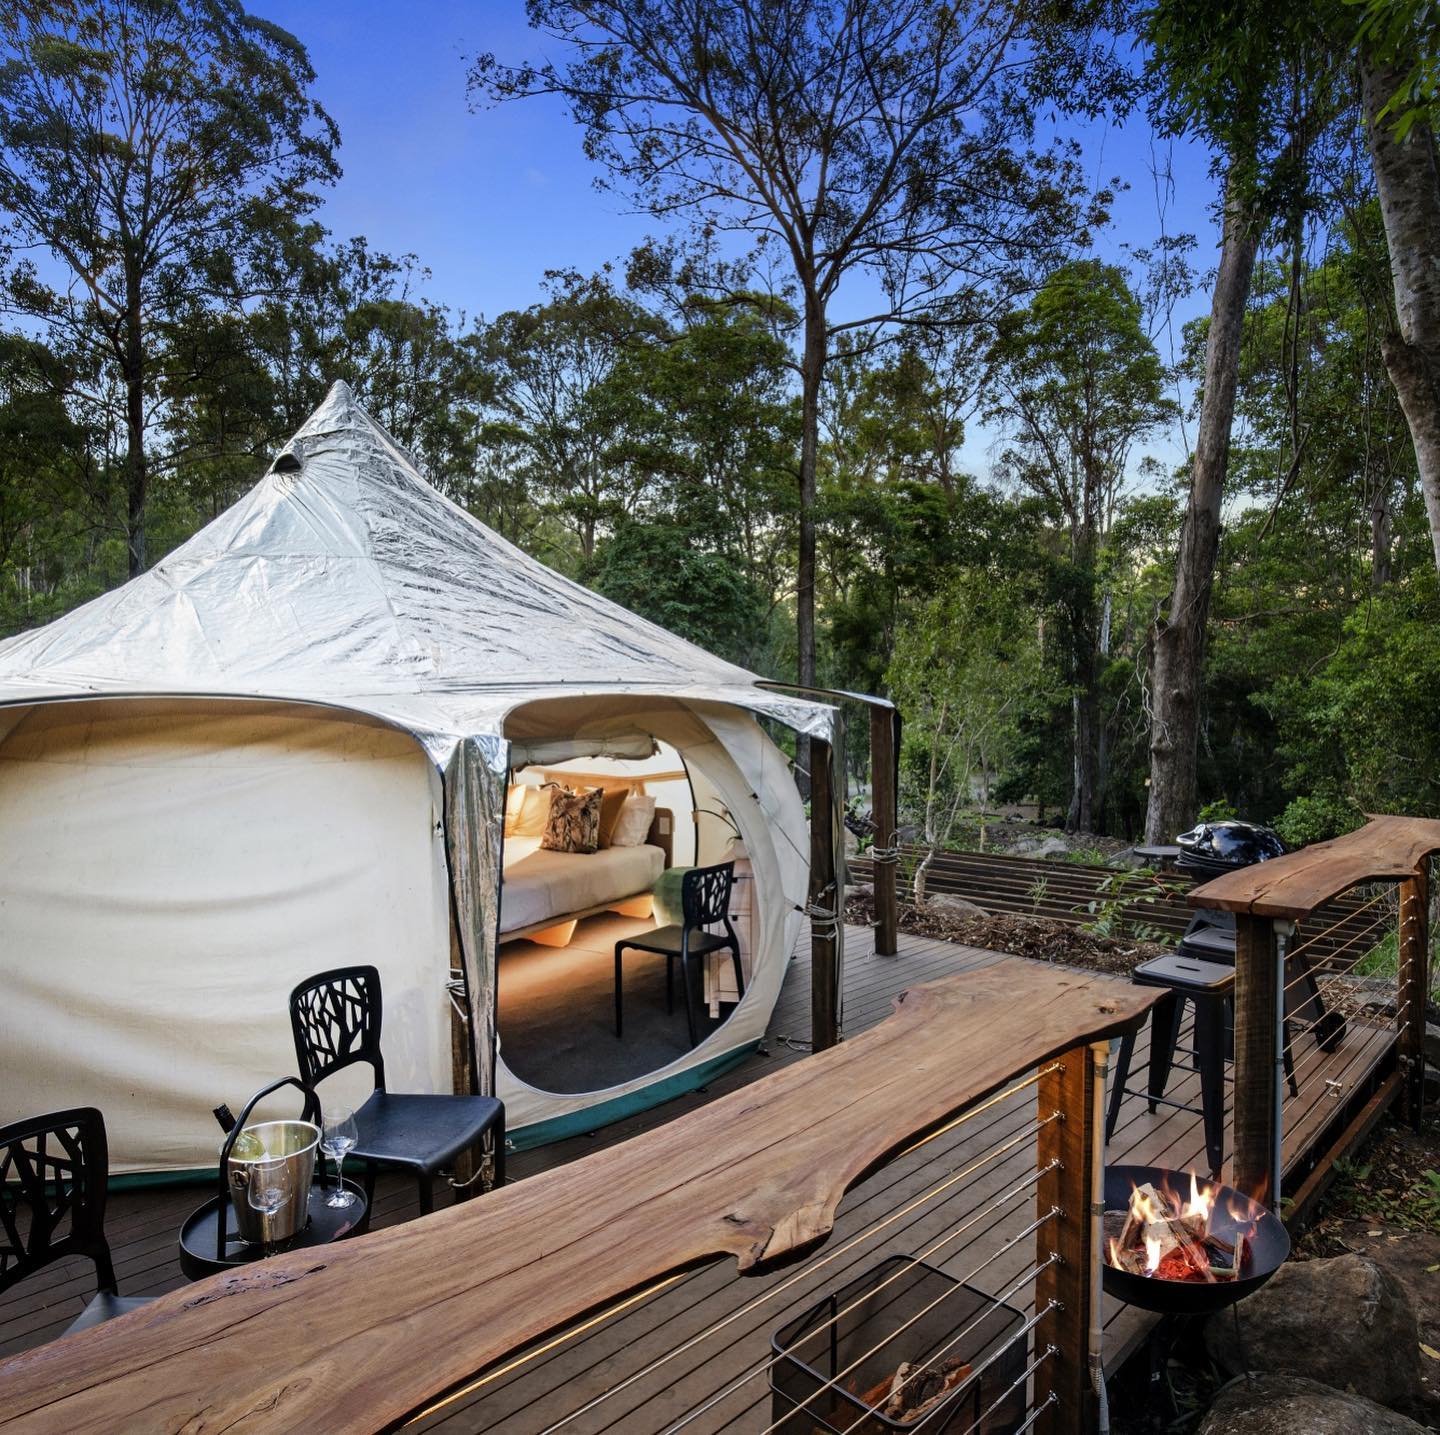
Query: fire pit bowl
[[1266, 1237]]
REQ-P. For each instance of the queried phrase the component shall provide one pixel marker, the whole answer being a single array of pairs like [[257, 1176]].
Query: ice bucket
[[247, 1145], [292, 1142]]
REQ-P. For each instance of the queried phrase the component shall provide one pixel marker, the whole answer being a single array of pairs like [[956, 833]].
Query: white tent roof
[[343, 577]]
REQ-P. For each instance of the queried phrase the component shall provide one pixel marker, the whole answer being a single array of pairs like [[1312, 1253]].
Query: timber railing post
[[1258, 996], [825, 898], [884, 811], [1414, 987], [1072, 1146]]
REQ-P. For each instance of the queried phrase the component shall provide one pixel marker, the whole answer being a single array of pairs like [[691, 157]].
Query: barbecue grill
[[1214, 848]]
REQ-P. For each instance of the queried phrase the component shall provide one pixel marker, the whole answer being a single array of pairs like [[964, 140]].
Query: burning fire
[[1162, 1236]]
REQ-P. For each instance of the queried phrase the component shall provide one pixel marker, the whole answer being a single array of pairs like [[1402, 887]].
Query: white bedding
[[540, 885]]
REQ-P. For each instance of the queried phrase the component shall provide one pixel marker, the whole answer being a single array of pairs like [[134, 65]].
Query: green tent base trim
[[577, 1123], [139, 1180]]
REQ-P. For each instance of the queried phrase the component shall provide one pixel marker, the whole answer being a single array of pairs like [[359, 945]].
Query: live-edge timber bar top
[[1293, 886], [358, 1335]]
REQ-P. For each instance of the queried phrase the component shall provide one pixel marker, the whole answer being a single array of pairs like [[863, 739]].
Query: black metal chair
[[335, 1018], [54, 1171], [704, 901]]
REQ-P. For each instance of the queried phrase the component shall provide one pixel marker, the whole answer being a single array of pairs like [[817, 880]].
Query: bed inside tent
[[706, 786]]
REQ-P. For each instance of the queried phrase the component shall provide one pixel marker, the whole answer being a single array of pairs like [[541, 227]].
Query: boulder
[[1289, 1405], [1129, 858], [1052, 847], [948, 904], [1344, 1322]]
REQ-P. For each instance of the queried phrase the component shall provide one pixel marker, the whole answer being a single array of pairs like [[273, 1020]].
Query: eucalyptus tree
[[1399, 61], [1077, 383], [890, 141], [559, 412], [143, 146], [1255, 80]]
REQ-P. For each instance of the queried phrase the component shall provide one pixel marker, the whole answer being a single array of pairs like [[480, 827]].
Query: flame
[[1200, 1202], [1153, 1250]]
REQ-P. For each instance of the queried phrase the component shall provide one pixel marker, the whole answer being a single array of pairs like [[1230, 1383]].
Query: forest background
[[1196, 571]]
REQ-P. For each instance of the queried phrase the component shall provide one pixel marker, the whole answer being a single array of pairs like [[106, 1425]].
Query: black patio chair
[[54, 1171], [704, 901], [335, 1018]]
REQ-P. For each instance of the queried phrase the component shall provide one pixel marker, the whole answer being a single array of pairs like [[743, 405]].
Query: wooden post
[[1071, 1142], [885, 812], [1414, 987], [825, 895], [467, 1163], [1256, 995]]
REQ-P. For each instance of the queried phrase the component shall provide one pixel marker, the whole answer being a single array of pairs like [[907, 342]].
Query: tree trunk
[[1085, 712], [1381, 532], [812, 368], [1407, 177], [1178, 648], [133, 372]]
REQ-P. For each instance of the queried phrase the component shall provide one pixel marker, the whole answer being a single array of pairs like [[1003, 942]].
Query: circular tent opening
[[711, 788]]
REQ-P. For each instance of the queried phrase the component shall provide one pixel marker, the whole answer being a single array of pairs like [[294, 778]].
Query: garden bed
[[1043, 939]]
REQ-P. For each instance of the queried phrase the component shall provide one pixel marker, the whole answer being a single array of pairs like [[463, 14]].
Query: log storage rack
[[371, 1332], [1382, 872]]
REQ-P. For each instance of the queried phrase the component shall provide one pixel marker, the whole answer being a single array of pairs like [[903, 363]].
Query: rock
[[947, 904], [1412, 1257], [1290, 1405], [1052, 847], [1128, 858], [859, 892], [1344, 1322]]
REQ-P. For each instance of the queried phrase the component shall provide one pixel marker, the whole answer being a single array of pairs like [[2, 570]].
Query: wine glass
[[269, 1188], [337, 1140]]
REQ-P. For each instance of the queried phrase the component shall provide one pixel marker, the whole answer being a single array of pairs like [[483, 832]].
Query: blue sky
[[490, 200]]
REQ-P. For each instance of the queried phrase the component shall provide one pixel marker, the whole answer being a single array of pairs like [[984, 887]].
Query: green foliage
[[1221, 810], [661, 571], [1119, 905], [1359, 733], [961, 670], [1406, 31], [1317, 818]]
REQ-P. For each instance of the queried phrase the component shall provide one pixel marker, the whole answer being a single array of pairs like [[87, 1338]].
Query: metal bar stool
[[1209, 986]]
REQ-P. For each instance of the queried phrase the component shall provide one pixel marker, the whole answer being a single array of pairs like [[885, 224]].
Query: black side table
[[1209, 986], [325, 1224]]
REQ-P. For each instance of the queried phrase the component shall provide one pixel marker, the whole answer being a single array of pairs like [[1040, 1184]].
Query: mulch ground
[[1043, 939]]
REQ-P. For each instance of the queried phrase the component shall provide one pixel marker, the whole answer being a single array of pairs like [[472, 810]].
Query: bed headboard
[[662, 834]]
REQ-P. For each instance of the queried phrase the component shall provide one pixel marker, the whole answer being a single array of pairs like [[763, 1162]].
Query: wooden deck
[[704, 1386]]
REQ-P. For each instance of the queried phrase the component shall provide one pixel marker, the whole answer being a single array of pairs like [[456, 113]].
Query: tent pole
[[825, 901]]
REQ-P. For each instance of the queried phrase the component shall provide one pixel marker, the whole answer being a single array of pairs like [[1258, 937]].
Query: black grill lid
[[1223, 846]]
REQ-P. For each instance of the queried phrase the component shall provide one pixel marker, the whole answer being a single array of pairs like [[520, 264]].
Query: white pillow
[[632, 826], [533, 812]]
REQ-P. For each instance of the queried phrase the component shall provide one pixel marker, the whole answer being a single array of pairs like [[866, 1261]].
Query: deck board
[[142, 1226]]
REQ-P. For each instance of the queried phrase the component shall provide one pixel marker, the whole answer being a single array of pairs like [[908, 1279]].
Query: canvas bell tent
[[291, 746]]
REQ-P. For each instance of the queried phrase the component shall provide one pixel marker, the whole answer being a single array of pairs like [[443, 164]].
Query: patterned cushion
[[574, 821]]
